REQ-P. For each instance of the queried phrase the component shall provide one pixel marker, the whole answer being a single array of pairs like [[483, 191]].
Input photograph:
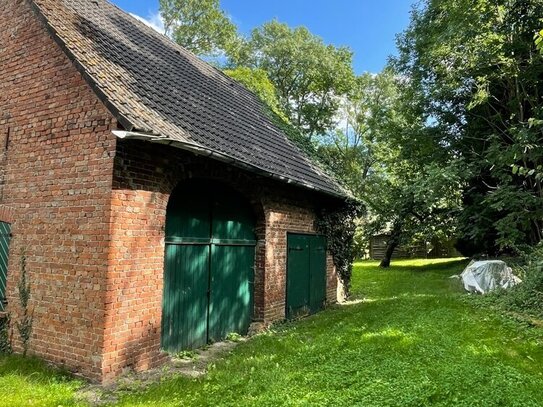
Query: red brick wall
[[281, 218], [144, 176], [92, 225], [56, 180]]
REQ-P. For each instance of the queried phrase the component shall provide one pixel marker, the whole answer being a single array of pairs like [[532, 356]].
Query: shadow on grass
[[411, 265], [33, 370]]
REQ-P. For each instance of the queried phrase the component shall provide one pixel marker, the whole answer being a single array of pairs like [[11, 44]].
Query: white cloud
[[154, 20]]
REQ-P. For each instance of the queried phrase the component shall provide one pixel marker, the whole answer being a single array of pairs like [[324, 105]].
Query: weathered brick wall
[[57, 167], [144, 176], [92, 225], [281, 218]]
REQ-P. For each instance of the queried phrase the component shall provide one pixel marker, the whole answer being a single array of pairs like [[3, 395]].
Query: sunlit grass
[[413, 338], [29, 382]]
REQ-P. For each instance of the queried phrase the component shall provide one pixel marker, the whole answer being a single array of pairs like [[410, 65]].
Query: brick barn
[[157, 204]]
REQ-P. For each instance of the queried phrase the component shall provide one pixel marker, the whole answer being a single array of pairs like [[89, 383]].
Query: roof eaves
[[222, 157]]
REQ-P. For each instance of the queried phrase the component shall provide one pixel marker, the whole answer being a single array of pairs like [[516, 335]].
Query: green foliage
[[5, 337], [352, 150], [199, 25], [308, 75], [187, 354], [388, 156], [539, 41], [24, 325], [475, 78], [234, 337], [527, 297], [339, 227], [257, 81]]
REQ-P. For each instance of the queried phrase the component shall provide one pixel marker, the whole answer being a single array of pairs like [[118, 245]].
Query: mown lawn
[[414, 339]]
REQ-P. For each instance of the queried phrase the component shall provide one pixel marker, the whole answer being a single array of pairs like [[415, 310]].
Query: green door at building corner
[[306, 274], [209, 266], [5, 237]]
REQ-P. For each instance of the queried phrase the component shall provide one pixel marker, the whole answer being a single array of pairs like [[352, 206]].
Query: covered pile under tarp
[[487, 275]]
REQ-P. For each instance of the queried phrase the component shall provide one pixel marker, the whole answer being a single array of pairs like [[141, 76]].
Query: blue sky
[[368, 27]]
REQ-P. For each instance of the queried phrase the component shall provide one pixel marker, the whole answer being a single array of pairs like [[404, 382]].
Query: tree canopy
[[446, 141], [309, 76], [477, 79], [199, 25]]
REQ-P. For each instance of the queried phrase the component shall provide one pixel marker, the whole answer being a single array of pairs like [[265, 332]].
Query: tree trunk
[[393, 242]]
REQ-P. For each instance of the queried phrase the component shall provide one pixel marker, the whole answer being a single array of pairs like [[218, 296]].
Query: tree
[[412, 191], [310, 77], [199, 25], [257, 81], [539, 41], [383, 152], [477, 79], [350, 148]]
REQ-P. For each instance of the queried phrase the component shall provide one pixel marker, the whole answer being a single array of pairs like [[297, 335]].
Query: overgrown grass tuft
[[527, 297]]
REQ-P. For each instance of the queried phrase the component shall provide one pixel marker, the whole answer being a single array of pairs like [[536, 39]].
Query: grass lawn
[[414, 339]]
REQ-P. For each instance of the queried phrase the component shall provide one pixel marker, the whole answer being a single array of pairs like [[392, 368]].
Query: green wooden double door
[[306, 274], [209, 266]]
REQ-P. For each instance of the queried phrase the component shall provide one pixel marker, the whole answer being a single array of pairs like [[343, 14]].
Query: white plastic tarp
[[487, 275]]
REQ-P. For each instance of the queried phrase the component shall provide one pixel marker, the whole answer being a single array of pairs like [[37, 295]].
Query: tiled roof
[[154, 86]]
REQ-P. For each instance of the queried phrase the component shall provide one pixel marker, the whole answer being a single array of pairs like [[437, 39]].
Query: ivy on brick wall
[[339, 226]]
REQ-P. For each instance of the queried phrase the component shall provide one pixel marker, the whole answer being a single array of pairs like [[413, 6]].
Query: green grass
[[29, 382], [412, 339]]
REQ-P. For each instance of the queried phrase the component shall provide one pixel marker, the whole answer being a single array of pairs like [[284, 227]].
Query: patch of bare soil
[[191, 364]]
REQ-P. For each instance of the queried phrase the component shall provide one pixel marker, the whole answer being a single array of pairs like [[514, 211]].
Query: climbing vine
[[339, 227], [5, 337], [24, 326]]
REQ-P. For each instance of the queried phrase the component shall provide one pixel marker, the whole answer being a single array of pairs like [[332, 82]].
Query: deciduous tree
[[309, 76], [477, 78], [199, 25]]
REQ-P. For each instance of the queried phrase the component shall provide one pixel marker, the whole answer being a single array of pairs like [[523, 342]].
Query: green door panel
[[317, 274], [297, 275], [231, 296], [188, 214], [306, 274], [5, 237], [209, 261], [184, 316], [232, 217]]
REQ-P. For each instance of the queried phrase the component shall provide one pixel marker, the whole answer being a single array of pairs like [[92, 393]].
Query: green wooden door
[[232, 265], [297, 275], [5, 237], [306, 274], [317, 273], [209, 266], [186, 276]]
